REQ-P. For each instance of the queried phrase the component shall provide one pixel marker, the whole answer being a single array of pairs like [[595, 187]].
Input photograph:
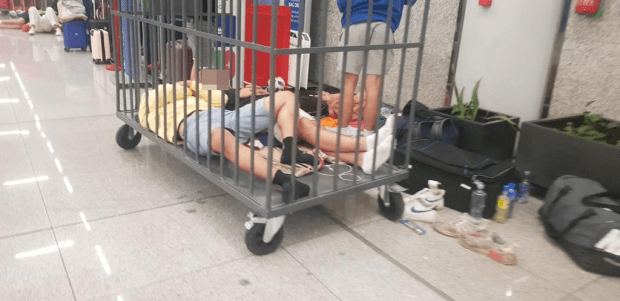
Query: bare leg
[[350, 82], [284, 112], [260, 165], [371, 101], [327, 140]]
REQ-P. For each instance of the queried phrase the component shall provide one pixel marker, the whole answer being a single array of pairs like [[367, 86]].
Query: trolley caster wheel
[[255, 243], [83, 49], [66, 49], [396, 206], [123, 140]]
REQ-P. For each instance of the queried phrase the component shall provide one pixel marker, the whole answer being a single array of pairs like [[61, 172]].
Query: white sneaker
[[13, 14], [416, 211], [428, 198], [463, 225], [31, 31], [58, 31]]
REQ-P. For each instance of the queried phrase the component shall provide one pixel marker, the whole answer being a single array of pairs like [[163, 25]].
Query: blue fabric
[[360, 8]]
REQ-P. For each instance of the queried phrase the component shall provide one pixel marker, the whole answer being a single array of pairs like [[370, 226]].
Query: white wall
[[509, 45]]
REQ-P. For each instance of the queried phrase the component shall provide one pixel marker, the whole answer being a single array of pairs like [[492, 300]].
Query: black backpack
[[584, 218]]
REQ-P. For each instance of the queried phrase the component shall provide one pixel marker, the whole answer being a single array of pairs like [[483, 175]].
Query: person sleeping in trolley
[[151, 116]]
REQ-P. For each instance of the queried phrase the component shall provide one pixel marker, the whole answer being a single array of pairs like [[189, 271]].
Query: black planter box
[[424, 168], [549, 153], [495, 139]]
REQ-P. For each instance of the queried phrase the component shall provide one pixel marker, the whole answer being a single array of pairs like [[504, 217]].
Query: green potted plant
[[586, 145], [481, 131]]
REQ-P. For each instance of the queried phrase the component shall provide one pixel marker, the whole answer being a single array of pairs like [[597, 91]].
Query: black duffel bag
[[585, 220]]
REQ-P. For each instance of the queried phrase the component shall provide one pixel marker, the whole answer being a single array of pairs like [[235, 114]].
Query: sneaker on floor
[[58, 32], [492, 246], [31, 31], [464, 224], [428, 198], [416, 211], [13, 14]]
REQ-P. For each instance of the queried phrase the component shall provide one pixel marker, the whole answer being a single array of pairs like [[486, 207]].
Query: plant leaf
[[618, 143], [589, 103], [475, 103]]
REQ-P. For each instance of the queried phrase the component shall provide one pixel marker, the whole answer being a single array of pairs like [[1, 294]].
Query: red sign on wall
[[485, 3]]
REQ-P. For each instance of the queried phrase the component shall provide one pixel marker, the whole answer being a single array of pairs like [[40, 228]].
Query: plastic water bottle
[[524, 189], [478, 200], [512, 195], [503, 203]]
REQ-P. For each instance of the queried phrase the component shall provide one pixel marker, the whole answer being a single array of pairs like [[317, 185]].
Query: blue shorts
[[261, 117]]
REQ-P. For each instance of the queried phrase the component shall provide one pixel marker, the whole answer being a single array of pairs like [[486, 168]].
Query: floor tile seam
[[24, 233], [49, 220], [560, 288], [136, 211], [389, 258], [597, 278], [166, 279], [313, 275], [45, 119]]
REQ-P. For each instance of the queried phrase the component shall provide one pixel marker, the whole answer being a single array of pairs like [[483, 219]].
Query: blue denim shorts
[[260, 115]]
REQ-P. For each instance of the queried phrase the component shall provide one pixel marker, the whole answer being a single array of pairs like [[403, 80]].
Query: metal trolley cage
[[145, 33]]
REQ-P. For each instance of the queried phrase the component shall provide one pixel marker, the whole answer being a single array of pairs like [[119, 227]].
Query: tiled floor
[[101, 223]]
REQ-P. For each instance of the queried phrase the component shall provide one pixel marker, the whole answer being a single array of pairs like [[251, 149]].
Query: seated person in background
[[284, 106], [20, 20], [45, 23]]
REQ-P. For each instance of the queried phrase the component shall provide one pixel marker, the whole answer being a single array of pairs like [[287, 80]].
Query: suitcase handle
[[595, 201]]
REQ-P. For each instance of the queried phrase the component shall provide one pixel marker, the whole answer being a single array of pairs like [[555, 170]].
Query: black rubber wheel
[[66, 49], [256, 245], [83, 49], [122, 138], [396, 208]]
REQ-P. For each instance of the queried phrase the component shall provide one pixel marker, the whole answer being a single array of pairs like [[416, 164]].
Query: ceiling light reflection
[[4, 78], [86, 225], [13, 66], [119, 298], [9, 100], [58, 165], [38, 125], [42, 134], [49, 146], [30, 104], [68, 185], [36, 117], [104, 262], [25, 181], [50, 249], [26, 95], [2, 65], [14, 133]]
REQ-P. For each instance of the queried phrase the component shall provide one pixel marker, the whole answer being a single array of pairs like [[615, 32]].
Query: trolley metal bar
[[363, 92], [116, 62], [247, 199], [201, 34], [416, 82], [331, 49], [184, 72], [253, 97], [322, 38], [262, 48], [272, 77], [342, 86], [302, 10], [383, 71], [199, 44]]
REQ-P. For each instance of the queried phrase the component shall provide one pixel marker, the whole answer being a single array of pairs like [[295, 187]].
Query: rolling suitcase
[[100, 46], [75, 34], [175, 57]]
